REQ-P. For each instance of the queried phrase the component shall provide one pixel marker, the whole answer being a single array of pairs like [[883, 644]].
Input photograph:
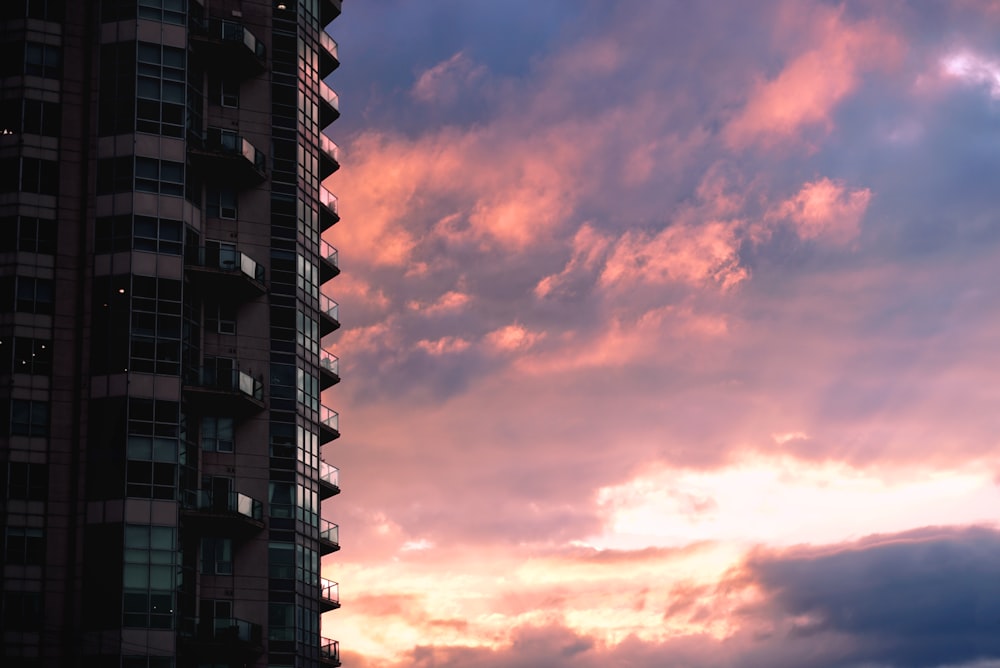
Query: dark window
[[22, 610], [111, 317], [168, 11], [33, 295], [158, 235], [220, 318], [24, 545], [32, 356], [217, 556], [217, 434], [149, 576], [159, 176], [45, 10], [156, 325], [114, 175], [42, 60], [153, 448], [160, 90], [27, 233], [113, 234], [221, 202], [117, 10], [29, 175], [116, 113], [26, 481], [32, 117], [29, 418]]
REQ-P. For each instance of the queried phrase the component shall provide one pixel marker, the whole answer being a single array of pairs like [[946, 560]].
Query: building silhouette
[[161, 320]]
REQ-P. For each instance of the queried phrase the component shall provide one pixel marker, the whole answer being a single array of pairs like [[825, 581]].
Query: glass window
[[33, 356], [24, 545], [149, 576], [217, 556], [221, 203], [29, 418], [42, 60], [160, 90], [217, 434], [26, 481]]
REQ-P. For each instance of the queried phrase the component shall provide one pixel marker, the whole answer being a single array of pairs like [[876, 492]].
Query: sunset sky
[[671, 334]]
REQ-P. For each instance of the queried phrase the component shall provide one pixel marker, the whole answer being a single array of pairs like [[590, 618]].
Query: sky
[[671, 334]]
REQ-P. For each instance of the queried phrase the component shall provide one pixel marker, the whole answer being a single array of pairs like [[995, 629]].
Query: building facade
[[162, 318]]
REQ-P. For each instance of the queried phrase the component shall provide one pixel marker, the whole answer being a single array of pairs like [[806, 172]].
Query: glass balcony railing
[[229, 143], [330, 592], [329, 652], [329, 362], [226, 503], [329, 55], [329, 418], [329, 474], [329, 308], [329, 98], [329, 209], [225, 260], [329, 532], [329, 147], [229, 45], [230, 381]]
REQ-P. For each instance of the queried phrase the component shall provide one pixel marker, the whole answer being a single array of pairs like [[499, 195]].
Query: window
[[281, 499], [221, 318], [24, 546], [32, 356], [217, 556], [159, 176], [158, 235], [42, 60], [114, 175], [153, 449], [156, 325], [117, 85], [307, 386], [221, 203], [29, 175], [160, 89], [113, 234], [45, 10], [26, 481], [33, 295], [217, 434], [308, 280], [167, 11], [29, 234], [149, 575], [22, 610], [32, 117], [29, 418], [226, 91]]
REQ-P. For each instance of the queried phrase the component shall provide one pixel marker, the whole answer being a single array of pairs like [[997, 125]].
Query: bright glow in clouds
[[975, 69], [781, 501]]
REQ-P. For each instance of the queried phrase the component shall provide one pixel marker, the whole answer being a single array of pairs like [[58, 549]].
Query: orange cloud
[[449, 301], [825, 209], [444, 82], [812, 83], [443, 346], [512, 337]]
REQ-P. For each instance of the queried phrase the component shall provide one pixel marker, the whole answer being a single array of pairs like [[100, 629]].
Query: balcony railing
[[222, 637], [228, 513], [330, 107], [329, 652], [329, 480], [226, 270], [329, 424], [329, 156], [224, 391], [228, 45], [329, 315], [329, 208], [227, 156], [329, 537], [329, 369], [329, 261], [329, 593], [329, 56]]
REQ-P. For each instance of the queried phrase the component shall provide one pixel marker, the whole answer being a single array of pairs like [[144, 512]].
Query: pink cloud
[[513, 337], [825, 209], [444, 82], [443, 346], [831, 56], [449, 301]]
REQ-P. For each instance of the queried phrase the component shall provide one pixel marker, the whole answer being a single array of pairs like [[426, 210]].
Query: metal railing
[[329, 307], [329, 591], [225, 259], [228, 31], [329, 361], [329, 418], [329, 650], [329, 147], [329, 200], [230, 380], [328, 252], [329, 531], [233, 503], [330, 96], [329, 474]]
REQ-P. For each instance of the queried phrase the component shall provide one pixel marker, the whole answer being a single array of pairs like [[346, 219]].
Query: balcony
[[329, 537], [227, 157], [329, 108], [329, 209], [329, 595], [329, 156], [329, 318], [228, 47], [329, 480], [329, 369], [224, 513], [329, 57], [328, 11], [329, 652], [222, 638], [329, 267], [225, 272], [221, 391], [329, 425]]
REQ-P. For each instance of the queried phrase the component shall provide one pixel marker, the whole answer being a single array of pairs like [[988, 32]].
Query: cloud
[[512, 337], [445, 82], [824, 209]]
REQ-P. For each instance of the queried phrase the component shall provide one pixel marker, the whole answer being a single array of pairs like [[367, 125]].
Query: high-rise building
[[161, 325]]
